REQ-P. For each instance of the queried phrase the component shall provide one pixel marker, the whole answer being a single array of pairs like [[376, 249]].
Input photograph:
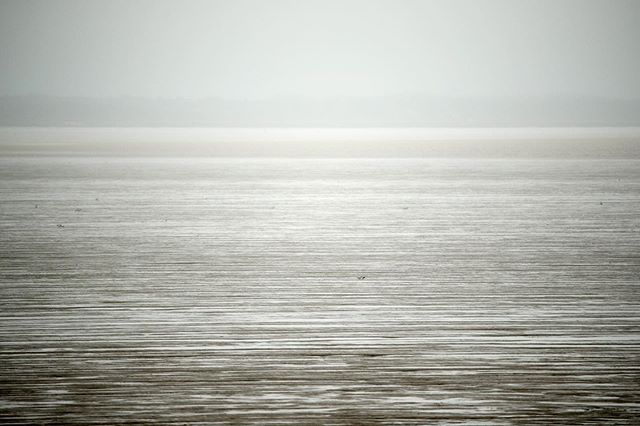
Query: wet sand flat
[[186, 291]]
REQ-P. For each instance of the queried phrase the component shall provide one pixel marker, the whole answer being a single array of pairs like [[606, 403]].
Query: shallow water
[[226, 290]]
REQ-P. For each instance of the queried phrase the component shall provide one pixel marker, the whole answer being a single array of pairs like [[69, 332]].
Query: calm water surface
[[227, 290]]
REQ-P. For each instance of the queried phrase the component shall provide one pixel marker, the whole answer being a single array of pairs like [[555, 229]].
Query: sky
[[258, 49]]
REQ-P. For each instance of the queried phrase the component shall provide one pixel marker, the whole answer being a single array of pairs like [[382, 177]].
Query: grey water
[[319, 291]]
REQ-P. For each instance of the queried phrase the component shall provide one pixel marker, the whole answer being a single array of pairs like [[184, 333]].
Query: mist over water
[[569, 143]]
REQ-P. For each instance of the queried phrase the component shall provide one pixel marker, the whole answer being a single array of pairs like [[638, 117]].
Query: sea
[[194, 287]]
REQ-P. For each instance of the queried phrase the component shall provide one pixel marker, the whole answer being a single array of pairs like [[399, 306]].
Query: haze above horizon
[[320, 63]]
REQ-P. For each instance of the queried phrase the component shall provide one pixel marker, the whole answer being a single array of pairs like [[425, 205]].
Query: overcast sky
[[255, 49]]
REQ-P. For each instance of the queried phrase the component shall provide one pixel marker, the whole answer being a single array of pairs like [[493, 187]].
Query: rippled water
[[228, 290]]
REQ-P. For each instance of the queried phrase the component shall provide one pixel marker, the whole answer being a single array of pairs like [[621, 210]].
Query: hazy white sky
[[320, 48]]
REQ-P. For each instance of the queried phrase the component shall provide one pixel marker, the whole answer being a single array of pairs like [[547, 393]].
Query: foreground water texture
[[319, 291]]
